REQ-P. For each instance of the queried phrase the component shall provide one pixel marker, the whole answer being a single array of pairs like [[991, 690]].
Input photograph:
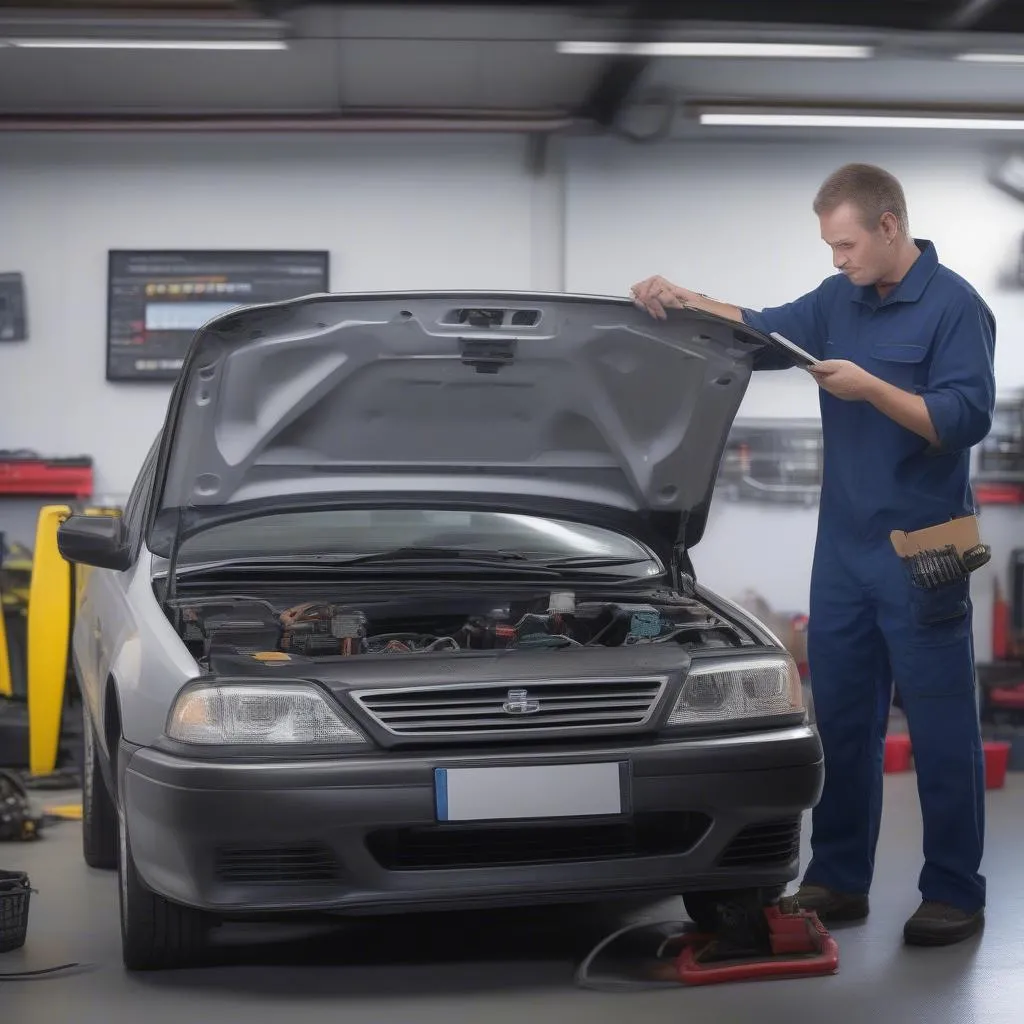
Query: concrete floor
[[498, 967]]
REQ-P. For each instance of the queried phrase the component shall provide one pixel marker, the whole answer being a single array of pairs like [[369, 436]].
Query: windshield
[[353, 533]]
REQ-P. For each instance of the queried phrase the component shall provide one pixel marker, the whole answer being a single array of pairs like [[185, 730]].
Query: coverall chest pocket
[[902, 362]]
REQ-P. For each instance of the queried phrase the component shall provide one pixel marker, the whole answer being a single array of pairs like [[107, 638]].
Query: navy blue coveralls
[[869, 626]]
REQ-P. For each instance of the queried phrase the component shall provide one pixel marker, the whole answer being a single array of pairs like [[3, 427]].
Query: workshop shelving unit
[[773, 461]]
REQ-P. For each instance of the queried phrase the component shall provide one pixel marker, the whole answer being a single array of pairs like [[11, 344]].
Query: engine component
[[315, 644], [323, 629], [644, 620], [424, 624], [243, 634], [350, 629]]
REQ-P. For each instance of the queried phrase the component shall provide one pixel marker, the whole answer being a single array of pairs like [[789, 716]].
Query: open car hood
[[584, 402]]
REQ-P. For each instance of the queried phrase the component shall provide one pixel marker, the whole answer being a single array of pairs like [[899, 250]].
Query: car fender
[[151, 664]]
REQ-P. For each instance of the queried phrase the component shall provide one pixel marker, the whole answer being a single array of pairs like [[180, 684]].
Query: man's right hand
[[655, 295]]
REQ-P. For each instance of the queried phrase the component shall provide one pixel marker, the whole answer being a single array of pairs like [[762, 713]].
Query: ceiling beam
[[621, 73], [969, 13]]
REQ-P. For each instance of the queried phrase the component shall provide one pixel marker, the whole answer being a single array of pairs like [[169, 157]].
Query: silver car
[[400, 615]]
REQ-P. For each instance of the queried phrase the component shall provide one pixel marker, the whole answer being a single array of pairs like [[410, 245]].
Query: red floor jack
[[752, 943], [787, 943]]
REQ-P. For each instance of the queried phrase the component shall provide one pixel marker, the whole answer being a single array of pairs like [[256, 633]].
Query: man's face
[[862, 254]]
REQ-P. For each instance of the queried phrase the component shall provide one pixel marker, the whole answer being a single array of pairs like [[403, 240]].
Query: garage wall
[[402, 212], [733, 220], [729, 219]]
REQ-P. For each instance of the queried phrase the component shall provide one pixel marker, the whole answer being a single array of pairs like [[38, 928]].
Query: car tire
[[156, 934], [706, 909], [99, 815]]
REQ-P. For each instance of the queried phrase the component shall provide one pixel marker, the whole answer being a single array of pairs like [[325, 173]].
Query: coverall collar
[[912, 287]]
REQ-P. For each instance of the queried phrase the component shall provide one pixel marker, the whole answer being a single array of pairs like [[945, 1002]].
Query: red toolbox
[[997, 758], [898, 753], [29, 476]]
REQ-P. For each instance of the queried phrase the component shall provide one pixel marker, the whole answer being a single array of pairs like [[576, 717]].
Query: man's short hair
[[870, 189]]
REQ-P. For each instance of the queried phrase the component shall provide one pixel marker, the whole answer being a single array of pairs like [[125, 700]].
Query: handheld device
[[804, 359]]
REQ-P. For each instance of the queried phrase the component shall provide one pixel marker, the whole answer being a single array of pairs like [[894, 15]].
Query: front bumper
[[360, 835]]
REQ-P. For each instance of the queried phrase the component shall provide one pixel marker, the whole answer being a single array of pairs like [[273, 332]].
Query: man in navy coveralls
[[906, 389]]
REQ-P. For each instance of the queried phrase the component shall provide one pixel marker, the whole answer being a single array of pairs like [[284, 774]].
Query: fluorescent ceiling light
[[980, 57], [755, 120], [146, 44], [714, 49]]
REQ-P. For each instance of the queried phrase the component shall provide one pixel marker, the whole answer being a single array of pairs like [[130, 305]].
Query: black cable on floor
[[34, 975]]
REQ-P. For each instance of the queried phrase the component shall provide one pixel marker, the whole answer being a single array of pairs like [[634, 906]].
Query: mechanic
[[906, 389]]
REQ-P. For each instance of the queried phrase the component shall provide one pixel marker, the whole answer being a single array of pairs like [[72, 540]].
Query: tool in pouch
[[940, 555]]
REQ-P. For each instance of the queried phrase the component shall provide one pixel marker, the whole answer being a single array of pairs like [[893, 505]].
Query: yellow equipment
[[53, 592], [66, 812], [6, 685], [15, 566], [49, 638], [15, 571]]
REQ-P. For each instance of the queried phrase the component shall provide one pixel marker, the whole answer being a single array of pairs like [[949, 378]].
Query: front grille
[[487, 709], [275, 865], [437, 847], [773, 842]]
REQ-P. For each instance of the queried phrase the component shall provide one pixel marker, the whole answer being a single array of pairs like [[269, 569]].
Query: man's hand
[[844, 379], [655, 295], [853, 383]]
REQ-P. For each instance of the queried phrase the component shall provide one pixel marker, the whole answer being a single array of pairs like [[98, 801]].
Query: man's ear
[[890, 227]]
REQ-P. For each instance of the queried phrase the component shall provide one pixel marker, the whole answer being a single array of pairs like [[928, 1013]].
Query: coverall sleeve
[[960, 393], [803, 321]]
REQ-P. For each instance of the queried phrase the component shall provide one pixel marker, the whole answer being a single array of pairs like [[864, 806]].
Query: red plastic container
[[897, 753], [1008, 697], [997, 759]]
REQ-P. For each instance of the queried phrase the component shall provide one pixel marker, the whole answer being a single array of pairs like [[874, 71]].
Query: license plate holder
[[532, 792]]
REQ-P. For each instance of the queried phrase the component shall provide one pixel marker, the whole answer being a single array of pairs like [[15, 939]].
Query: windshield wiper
[[417, 554], [592, 561], [412, 557], [418, 557]]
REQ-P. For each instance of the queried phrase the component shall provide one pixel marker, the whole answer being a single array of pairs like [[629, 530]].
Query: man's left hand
[[844, 379]]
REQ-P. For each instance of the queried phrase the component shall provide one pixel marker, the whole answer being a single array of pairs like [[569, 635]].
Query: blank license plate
[[532, 791]]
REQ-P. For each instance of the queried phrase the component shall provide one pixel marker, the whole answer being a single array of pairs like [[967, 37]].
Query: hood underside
[[584, 400]]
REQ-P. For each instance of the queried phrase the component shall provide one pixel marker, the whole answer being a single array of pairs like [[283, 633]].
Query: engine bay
[[273, 628]]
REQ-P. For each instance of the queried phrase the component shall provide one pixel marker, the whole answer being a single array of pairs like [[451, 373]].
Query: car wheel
[[99, 815], [709, 911], [155, 933]]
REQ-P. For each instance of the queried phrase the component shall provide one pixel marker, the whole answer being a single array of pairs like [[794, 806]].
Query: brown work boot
[[937, 924], [832, 906]]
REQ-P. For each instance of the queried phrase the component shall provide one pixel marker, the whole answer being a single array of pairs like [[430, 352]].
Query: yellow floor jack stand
[[49, 633], [48, 645]]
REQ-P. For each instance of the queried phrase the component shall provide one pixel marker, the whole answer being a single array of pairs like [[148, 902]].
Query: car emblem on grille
[[519, 702]]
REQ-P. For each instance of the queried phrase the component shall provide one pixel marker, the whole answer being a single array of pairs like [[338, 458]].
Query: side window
[[135, 506]]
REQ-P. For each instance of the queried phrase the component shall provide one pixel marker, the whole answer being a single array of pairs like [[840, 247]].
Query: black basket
[[14, 895]]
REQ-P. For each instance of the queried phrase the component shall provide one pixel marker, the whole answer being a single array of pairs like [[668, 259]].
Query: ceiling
[[476, 66]]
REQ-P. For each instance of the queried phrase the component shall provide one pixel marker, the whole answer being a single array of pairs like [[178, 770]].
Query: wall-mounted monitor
[[158, 299], [13, 321]]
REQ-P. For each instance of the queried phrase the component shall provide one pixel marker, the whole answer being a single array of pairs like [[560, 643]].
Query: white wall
[[734, 220], [420, 211]]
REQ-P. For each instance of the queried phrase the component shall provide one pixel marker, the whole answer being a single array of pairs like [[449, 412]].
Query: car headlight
[[257, 714], [723, 690]]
